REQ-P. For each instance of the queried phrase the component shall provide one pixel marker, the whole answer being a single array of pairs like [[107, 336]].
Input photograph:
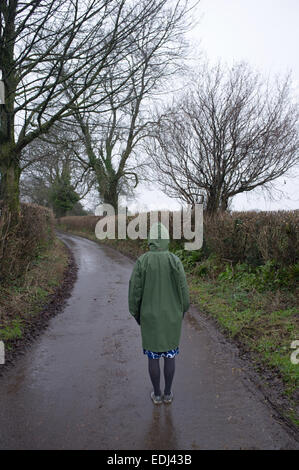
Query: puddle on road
[[16, 384], [161, 432]]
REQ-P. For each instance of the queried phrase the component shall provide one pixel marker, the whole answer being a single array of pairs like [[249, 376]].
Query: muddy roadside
[[36, 324]]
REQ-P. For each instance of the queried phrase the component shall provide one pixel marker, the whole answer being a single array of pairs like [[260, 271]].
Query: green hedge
[[240, 237], [20, 244]]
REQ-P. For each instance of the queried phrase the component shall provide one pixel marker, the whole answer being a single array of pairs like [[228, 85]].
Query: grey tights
[[154, 372]]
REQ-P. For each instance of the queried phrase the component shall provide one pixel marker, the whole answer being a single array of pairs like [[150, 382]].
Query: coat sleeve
[[135, 292], [184, 287]]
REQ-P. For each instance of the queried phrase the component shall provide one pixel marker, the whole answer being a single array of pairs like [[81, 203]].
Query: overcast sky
[[263, 33]]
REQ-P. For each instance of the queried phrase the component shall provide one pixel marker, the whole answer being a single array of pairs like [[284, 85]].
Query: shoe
[[168, 398], [157, 400]]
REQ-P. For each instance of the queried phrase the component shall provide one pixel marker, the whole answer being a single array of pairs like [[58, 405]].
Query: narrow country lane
[[84, 382]]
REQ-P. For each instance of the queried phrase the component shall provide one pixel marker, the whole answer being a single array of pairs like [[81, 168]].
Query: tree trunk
[[224, 205], [212, 203], [111, 197], [9, 160], [107, 188], [10, 177], [215, 202]]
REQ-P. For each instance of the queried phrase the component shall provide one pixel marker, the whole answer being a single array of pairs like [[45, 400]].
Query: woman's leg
[[169, 369], [154, 372]]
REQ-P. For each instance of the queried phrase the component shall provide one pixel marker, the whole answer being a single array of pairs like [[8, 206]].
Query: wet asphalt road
[[84, 383]]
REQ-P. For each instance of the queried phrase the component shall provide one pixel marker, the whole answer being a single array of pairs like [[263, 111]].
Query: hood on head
[[158, 238]]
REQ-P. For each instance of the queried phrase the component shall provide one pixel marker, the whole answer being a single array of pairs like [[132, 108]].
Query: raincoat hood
[[158, 238]]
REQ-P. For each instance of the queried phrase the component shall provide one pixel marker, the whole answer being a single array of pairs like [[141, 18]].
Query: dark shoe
[[168, 398], [157, 399]]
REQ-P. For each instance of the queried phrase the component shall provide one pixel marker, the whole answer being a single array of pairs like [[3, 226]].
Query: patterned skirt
[[156, 355]]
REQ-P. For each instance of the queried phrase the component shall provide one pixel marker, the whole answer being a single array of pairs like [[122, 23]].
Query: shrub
[[84, 223], [251, 237], [269, 276], [254, 237], [20, 244]]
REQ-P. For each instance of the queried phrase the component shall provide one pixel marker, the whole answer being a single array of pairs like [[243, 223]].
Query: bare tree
[[45, 160], [112, 137], [45, 44], [229, 133]]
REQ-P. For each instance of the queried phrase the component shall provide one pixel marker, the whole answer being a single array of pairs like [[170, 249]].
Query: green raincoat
[[158, 293]]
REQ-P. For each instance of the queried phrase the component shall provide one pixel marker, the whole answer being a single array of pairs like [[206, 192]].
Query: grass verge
[[24, 298], [264, 324]]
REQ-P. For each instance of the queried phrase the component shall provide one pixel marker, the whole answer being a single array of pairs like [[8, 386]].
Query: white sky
[[264, 33]]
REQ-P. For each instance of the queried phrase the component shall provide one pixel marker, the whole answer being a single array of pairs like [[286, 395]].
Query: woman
[[158, 300]]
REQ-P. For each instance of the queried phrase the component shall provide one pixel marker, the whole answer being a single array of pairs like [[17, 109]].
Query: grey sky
[[264, 33]]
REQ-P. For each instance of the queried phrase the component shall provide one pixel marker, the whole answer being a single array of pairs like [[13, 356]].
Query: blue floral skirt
[[156, 355]]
